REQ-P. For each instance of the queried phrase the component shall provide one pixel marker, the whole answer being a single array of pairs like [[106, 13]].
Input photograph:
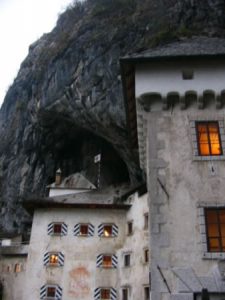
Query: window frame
[[146, 255], [84, 225], [201, 207], [60, 259], [126, 295], [50, 287], [55, 224], [197, 295], [127, 260], [18, 267], [57, 292], [146, 294], [52, 264], [108, 290], [114, 230], [146, 221], [203, 118], [110, 226], [52, 232], [218, 225], [107, 266], [130, 229], [209, 143]]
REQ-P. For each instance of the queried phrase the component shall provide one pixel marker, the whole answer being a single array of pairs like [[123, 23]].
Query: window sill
[[208, 158], [56, 234], [130, 234], [53, 265], [213, 255]]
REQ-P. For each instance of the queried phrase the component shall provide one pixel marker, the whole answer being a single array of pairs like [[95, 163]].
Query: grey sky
[[21, 23]]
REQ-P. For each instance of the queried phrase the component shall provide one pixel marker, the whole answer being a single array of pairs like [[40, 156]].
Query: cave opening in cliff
[[73, 149]]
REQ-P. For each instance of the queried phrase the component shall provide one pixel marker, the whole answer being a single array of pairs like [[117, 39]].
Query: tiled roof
[[198, 46]]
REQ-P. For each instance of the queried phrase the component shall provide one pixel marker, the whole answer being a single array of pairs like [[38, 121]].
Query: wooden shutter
[[50, 228], [113, 294], [97, 294], [64, 229], [115, 230], [100, 229], [76, 230], [91, 230], [114, 261], [99, 260]]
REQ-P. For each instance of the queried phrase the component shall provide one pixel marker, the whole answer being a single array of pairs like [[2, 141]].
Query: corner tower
[[175, 100]]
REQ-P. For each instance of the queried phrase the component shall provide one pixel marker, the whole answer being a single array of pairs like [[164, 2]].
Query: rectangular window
[[105, 294], [51, 291], [208, 138], [146, 221], [54, 259], [107, 261], [17, 268], [125, 294], [215, 229], [146, 292], [146, 255], [129, 228], [107, 231], [211, 296], [84, 229], [126, 260], [57, 228]]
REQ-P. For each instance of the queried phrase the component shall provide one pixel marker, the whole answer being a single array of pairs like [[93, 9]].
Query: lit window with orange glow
[[17, 268], [215, 229], [107, 231], [208, 138], [54, 259]]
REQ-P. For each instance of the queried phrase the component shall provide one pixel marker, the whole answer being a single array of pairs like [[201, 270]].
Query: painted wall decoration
[[80, 282]]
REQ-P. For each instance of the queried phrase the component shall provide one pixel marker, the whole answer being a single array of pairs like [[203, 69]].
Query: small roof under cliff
[[111, 197], [73, 181], [194, 47]]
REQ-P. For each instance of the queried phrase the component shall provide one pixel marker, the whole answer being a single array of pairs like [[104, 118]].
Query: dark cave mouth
[[73, 150]]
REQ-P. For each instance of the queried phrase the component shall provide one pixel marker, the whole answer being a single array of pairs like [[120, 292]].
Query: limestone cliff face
[[66, 103]]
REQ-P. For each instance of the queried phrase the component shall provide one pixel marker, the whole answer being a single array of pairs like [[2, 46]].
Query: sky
[[21, 23]]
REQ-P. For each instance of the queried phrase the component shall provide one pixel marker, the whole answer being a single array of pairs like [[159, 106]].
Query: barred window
[[208, 138], [215, 229]]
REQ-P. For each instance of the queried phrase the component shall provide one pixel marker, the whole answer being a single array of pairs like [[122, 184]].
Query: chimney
[[58, 177]]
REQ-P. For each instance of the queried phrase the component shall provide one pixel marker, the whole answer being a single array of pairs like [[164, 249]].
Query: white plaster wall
[[167, 77], [137, 275], [60, 191], [175, 226], [13, 283], [188, 182], [79, 275]]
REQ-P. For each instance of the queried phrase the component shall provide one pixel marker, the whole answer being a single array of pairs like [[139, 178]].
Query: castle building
[[174, 97], [86, 244]]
